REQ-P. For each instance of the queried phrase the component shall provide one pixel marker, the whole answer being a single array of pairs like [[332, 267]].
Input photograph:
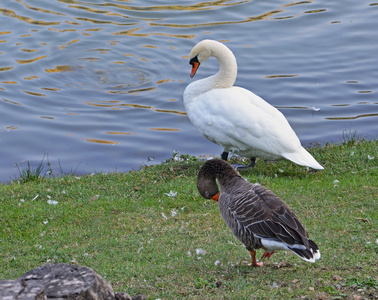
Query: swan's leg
[[224, 155], [254, 263], [252, 162]]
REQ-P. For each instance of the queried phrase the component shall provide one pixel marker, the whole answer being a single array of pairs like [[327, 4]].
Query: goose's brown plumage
[[255, 215]]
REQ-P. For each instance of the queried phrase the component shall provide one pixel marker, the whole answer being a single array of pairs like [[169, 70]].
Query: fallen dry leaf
[[338, 278], [363, 220]]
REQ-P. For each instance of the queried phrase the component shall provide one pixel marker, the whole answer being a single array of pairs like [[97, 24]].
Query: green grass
[[114, 224]]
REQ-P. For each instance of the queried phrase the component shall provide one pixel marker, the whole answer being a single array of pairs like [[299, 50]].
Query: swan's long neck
[[225, 77]]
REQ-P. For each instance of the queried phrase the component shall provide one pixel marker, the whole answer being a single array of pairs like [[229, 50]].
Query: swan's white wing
[[238, 119]]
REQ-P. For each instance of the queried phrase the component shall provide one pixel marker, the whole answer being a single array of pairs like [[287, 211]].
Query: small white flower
[[171, 194], [370, 157], [336, 181], [174, 212], [22, 200], [52, 202], [45, 222], [200, 251], [164, 216], [352, 153], [217, 262]]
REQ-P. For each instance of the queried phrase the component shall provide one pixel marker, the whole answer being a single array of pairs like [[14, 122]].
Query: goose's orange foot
[[257, 264], [254, 263], [267, 255]]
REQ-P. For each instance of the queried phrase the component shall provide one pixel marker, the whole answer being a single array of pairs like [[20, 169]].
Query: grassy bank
[[149, 231]]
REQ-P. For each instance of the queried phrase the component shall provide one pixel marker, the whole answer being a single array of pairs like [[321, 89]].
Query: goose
[[234, 117], [255, 215]]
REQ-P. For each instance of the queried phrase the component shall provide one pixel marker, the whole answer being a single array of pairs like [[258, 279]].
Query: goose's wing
[[262, 213]]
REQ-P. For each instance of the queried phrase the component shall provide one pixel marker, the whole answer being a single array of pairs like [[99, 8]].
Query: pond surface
[[96, 86]]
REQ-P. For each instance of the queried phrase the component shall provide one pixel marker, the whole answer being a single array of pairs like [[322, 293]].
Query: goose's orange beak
[[215, 197]]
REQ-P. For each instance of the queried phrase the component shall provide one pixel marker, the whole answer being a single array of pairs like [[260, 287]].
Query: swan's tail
[[303, 158]]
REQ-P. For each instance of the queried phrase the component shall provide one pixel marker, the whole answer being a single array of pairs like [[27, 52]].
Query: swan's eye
[[194, 60]]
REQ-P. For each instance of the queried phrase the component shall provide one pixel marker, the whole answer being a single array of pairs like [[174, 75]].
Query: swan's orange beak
[[215, 197], [195, 66]]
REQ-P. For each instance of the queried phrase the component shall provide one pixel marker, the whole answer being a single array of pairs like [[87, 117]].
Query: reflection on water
[[99, 83], [118, 105]]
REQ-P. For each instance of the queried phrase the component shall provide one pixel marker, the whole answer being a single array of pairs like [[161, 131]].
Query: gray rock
[[19, 289], [60, 282]]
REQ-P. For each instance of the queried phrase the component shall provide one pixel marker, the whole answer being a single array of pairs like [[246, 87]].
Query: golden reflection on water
[[281, 76], [51, 89], [12, 102], [199, 6], [5, 69], [351, 118], [165, 129], [296, 3], [119, 105], [34, 94], [98, 141], [46, 11], [11, 13], [247, 20], [314, 11], [29, 50], [119, 133], [63, 68], [31, 77], [28, 61], [130, 32]]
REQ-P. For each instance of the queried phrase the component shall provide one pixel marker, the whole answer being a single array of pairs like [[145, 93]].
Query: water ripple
[[99, 83]]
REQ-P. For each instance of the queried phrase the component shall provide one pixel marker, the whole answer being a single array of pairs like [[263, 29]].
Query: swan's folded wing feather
[[248, 120]]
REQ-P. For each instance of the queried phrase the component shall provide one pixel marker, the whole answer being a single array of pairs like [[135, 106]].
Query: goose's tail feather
[[310, 255]]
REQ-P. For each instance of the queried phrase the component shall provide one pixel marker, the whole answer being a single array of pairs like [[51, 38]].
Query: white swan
[[236, 118]]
